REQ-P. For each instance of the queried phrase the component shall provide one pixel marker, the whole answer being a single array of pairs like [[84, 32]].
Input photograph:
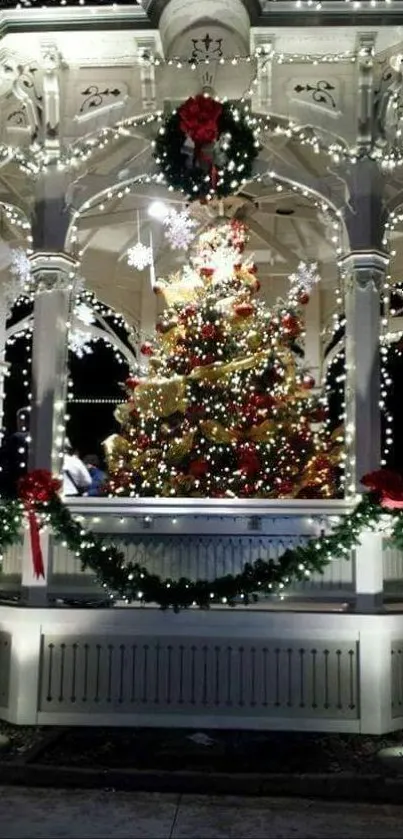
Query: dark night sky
[[96, 376]]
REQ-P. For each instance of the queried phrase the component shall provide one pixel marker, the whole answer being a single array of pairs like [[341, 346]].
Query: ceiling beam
[[274, 243], [96, 221]]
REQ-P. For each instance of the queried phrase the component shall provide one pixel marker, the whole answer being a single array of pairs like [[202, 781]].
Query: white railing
[[197, 539], [205, 539]]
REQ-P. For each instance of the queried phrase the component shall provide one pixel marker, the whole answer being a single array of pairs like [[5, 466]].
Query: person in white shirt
[[76, 477]]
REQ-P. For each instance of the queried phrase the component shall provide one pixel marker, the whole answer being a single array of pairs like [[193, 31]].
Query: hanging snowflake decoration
[[84, 313], [305, 278], [179, 229], [139, 256], [20, 268], [80, 339]]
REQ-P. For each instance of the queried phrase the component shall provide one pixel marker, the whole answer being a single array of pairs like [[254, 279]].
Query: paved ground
[[42, 814]]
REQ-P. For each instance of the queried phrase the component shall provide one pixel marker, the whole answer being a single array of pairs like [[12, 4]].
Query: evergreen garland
[[132, 582]]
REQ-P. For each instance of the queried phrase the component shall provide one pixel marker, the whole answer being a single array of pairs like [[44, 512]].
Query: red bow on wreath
[[199, 117], [38, 487], [389, 486]]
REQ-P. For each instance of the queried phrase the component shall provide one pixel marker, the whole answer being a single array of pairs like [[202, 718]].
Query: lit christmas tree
[[226, 409]]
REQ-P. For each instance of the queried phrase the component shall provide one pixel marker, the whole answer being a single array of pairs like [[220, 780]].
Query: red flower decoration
[[388, 484], [147, 349], [199, 117], [39, 485], [209, 331]]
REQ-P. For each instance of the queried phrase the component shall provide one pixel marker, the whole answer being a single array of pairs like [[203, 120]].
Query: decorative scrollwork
[[206, 47], [95, 97], [17, 118], [320, 91]]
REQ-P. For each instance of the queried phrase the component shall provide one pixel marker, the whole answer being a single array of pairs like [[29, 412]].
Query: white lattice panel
[[198, 676]]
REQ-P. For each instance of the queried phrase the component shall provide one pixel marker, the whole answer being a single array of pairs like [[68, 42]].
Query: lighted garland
[[133, 582], [206, 148]]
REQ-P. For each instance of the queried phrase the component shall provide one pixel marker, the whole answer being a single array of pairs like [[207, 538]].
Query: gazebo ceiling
[[104, 80]]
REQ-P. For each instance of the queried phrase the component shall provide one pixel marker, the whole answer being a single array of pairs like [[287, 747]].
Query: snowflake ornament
[[84, 313], [305, 277], [80, 339], [80, 343], [139, 256], [179, 229], [21, 267]]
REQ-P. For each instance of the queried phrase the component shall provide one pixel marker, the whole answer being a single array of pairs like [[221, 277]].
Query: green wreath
[[133, 582], [206, 148]]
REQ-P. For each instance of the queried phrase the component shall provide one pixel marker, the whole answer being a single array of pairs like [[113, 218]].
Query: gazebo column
[[54, 279], [364, 270], [364, 275], [53, 273], [54, 276]]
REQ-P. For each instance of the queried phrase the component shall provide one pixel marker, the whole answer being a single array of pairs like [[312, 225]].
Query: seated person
[[98, 476], [76, 477]]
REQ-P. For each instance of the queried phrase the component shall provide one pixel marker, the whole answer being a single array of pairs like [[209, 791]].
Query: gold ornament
[[161, 397], [180, 448], [216, 432], [262, 433], [254, 340]]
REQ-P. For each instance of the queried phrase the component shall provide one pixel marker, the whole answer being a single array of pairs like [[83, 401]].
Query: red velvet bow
[[389, 486], [199, 117], [39, 486]]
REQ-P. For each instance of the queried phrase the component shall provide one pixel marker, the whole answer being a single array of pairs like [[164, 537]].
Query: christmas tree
[[226, 408]]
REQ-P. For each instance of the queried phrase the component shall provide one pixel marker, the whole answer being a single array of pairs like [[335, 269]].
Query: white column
[[369, 573], [364, 273], [3, 364], [54, 275]]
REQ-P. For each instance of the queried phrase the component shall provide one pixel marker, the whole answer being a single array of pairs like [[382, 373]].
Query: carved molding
[[365, 269]]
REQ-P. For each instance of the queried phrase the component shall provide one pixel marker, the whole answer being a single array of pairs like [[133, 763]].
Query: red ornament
[[147, 349], [198, 468], [244, 310], [389, 486], [291, 325], [198, 118], [319, 414], [252, 268], [207, 272], [308, 382], [131, 382], [303, 298]]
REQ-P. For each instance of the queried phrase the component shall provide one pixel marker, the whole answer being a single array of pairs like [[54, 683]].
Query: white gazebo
[[81, 87]]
